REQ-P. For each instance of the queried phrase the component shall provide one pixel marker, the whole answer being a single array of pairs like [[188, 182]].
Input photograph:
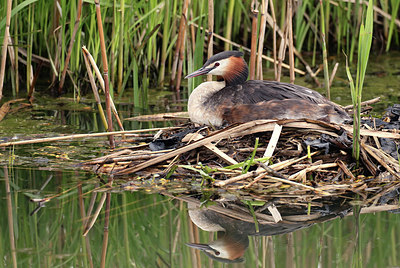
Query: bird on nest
[[234, 99]]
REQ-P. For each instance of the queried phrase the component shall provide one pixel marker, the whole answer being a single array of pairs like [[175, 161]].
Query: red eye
[[217, 252], [216, 64]]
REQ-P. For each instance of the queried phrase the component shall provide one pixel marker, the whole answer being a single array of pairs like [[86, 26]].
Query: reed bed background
[[152, 43]]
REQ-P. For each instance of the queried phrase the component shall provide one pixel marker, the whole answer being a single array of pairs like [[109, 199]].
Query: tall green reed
[[364, 47]]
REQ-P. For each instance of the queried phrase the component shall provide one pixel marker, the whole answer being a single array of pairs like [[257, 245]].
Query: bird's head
[[227, 248], [229, 65]]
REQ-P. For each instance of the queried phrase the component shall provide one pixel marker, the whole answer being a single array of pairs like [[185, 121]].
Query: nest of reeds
[[298, 162]]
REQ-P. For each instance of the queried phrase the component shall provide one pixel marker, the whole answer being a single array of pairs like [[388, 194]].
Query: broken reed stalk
[[89, 224], [253, 46], [291, 46], [181, 34], [105, 72], [106, 225], [210, 51], [83, 216], [333, 73], [324, 52], [10, 218], [274, 38], [4, 48], [264, 10], [102, 84], [94, 89], [71, 45]]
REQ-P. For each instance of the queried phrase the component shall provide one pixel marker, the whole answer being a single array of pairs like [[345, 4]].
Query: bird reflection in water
[[232, 232]]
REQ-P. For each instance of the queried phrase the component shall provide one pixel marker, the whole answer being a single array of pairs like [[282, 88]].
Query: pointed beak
[[203, 247], [200, 71]]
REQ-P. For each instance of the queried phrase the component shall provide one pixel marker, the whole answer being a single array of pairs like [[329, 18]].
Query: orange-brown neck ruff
[[236, 72]]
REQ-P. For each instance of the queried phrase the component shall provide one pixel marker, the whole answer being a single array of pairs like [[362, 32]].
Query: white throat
[[197, 112]]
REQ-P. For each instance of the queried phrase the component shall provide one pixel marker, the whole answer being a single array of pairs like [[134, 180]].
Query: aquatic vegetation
[[145, 41]]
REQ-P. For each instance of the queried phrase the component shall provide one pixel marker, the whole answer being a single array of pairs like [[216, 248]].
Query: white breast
[[199, 217], [197, 112]]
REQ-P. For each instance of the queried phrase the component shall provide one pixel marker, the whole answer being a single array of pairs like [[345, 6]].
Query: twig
[[81, 136]]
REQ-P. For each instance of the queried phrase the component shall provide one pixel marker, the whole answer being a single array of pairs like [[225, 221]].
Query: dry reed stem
[[272, 22], [82, 136], [253, 46], [210, 33], [249, 50], [290, 41], [333, 73], [212, 148], [273, 36], [213, 137], [282, 50], [373, 133], [105, 72], [275, 167], [159, 117], [4, 48], [275, 213], [375, 153], [179, 42], [301, 175], [264, 10], [364, 103], [71, 45], [102, 84], [94, 89], [10, 218]]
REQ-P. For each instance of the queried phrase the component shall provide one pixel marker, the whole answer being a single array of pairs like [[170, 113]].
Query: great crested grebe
[[235, 99]]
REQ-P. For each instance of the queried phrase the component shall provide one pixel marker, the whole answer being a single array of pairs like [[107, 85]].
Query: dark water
[[150, 230]]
